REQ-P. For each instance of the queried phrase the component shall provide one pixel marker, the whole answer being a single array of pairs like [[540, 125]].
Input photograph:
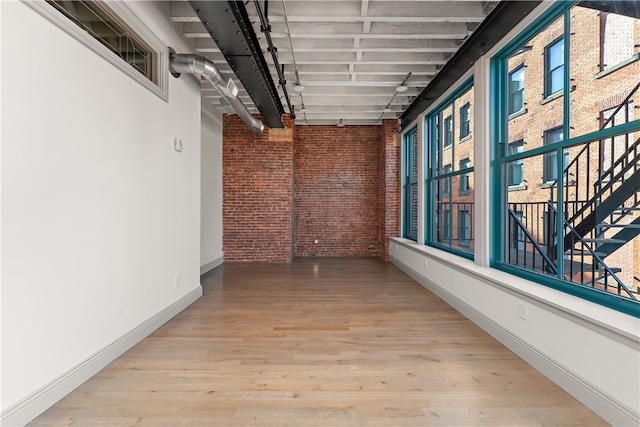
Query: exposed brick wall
[[337, 197], [257, 192], [389, 187], [288, 187]]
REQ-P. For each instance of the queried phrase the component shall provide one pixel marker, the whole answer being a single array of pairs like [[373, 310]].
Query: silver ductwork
[[196, 64]]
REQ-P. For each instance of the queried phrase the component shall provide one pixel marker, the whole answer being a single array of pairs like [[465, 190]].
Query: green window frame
[[448, 196], [465, 120], [561, 221], [410, 185]]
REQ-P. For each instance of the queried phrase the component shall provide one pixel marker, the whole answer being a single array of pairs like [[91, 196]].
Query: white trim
[[211, 265], [605, 405], [37, 402], [161, 88]]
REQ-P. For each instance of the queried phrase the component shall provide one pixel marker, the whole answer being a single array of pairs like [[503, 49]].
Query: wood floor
[[320, 342]]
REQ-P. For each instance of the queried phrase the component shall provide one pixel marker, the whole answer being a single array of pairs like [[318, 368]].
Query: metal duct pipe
[[196, 64]]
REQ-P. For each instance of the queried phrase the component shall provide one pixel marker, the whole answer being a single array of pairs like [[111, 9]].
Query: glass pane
[[529, 226], [537, 113], [600, 217], [604, 36], [454, 227]]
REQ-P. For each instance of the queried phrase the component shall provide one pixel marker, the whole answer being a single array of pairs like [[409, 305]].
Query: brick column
[[389, 184], [257, 185]]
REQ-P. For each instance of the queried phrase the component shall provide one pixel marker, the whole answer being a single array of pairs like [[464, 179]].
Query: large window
[[574, 160], [410, 185], [516, 90], [449, 184], [554, 68]]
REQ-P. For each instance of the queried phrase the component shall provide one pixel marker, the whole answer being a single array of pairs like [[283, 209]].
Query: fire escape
[[600, 215]]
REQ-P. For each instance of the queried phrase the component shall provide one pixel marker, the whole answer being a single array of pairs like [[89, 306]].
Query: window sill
[[463, 192], [518, 113], [552, 97], [619, 65], [618, 326], [465, 138], [518, 187]]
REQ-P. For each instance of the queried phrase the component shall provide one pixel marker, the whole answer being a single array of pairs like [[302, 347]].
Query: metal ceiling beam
[[231, 29]]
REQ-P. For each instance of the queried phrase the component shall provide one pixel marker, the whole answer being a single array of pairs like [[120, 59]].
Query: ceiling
[[349, 55]]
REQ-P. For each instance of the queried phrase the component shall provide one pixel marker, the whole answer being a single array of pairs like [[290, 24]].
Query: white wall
[[211, 187], [99, 214]]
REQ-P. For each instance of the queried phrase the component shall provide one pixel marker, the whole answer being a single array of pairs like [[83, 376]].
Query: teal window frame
[[463, 187], [433, 137], [409, 147], [499, 159], [515, 147], [448, 131]]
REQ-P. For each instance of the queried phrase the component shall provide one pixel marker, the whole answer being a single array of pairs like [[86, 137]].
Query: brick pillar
[[389, 184], [257, 186]]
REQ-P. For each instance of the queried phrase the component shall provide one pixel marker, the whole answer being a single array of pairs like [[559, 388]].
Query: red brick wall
[[257, 192], [288, 187], [337, 197]]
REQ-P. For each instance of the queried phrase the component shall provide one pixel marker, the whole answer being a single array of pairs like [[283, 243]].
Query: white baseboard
[[35, 404], [211, 265], [610, 409]]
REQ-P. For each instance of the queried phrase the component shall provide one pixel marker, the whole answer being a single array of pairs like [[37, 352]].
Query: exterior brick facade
[[285, 189]]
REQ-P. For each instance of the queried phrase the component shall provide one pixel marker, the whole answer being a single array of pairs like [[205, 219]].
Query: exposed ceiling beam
[[420, 19]]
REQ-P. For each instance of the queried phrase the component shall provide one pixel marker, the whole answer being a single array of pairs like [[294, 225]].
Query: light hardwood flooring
[[319, 342]]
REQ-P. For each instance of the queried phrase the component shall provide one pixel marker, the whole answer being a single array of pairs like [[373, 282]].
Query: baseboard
[[35, 404], [607, 407], [211, 265]]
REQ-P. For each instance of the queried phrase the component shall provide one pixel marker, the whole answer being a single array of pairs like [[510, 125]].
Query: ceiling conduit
[[196, 64]]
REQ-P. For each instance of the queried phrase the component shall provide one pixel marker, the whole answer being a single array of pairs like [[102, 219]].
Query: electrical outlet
[[177, 144], [523, 311], [177, 280], [315, 241], [426, 262]]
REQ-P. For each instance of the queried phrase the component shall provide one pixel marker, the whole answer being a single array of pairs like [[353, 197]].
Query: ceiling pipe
[[196, 64], [265, 27]]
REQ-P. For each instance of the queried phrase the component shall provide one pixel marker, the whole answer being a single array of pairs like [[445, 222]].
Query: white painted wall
[[98, 212], [211, 187]]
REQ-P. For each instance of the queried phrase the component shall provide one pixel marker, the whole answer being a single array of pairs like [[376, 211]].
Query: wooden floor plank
[[319, 342]]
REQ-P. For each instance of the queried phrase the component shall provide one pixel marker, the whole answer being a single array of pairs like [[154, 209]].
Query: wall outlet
[[315, 241], [177, 280], [523, 311], [426, 262], [177, 144]]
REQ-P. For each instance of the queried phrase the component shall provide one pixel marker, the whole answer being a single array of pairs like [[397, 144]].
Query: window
[[553, 232], [448, 131], [447, 225], [114, 32], [464, 178], [516, 90], [554, 68], [446, 182], [410, 185], [550, 168], [465, 119], [515, 169], [449, 182], [464, 227], [616, 35]]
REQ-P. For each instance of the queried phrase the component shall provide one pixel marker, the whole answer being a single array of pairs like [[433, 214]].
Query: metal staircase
[[600, 214]]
